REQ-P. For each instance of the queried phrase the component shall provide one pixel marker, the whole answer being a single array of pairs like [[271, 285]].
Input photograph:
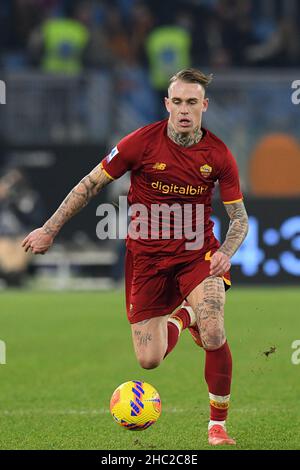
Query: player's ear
[[167, 104], [205, 104]]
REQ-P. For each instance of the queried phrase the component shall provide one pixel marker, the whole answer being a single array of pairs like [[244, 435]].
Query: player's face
[[185, 104]]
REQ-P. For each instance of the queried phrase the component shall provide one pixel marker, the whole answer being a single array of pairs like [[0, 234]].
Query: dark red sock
[[183, 315], [183, 318], [173, 335], [218, 372]]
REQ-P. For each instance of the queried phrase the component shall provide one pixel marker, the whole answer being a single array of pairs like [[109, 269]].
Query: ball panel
[[115, 399]]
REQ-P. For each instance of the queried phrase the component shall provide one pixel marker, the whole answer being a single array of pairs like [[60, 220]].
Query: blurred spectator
[[6, 30], [118, 37], [281, 48], [168, 50], [101, 33], [20, 211], [196, 20], [141, 23], [233, 33], [98, 53], [28, 14], [59, 44]]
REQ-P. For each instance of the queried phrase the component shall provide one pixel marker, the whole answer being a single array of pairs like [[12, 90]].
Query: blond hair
[[192, 76]]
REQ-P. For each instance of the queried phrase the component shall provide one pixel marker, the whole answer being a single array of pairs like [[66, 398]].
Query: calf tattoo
[[210, 313]]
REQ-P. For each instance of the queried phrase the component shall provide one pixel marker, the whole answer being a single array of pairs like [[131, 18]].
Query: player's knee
[[149, 363], [213, 340]]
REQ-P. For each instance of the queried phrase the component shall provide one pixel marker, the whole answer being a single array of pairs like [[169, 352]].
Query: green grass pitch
[[67, 352]]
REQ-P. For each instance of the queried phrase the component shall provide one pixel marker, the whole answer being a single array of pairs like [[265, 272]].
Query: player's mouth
[[185, 122]]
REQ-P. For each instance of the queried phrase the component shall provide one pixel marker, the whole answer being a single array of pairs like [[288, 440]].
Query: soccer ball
[[135, 405]]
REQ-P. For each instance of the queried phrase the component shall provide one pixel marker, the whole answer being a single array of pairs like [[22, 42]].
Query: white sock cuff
[[176, 323], [190, 312], [219, 398]]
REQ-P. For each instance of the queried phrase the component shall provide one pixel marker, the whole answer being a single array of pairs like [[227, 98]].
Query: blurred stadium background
[[80, 75]]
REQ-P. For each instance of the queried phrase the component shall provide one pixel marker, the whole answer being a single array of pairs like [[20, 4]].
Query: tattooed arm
[[238, 229], [40, 240]]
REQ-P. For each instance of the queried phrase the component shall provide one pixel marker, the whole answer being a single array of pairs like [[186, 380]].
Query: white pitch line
[[102, 411]]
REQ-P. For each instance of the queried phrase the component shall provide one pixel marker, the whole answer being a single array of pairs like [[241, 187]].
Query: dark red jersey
[[163, 172]]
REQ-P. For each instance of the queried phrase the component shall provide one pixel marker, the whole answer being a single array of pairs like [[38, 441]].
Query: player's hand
[[38, 241], [219, 264]]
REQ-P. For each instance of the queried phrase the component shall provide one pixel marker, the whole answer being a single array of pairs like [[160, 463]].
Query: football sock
[[173, 335], [177, 322], [218, 372], [181, 318]]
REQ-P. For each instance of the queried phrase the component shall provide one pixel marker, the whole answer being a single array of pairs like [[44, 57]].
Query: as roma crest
[[205, 170]]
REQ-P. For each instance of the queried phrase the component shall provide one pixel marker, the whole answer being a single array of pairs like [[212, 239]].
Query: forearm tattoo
[[78, 198], [238, 228], [185, 140], [210, 313]]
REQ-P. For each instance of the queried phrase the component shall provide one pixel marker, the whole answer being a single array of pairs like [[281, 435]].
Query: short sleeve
[[229, 180], [126, 156]]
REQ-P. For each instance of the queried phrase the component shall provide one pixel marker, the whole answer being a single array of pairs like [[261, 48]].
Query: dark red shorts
[[155, 286]]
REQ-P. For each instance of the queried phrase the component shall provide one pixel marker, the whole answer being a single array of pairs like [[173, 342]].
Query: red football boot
[[218, 436]]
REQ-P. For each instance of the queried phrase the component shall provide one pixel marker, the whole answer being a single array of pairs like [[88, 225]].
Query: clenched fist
[[38, 241], [219, 264]]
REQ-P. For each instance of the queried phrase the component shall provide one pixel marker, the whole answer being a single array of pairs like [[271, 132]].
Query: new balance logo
[[159, 166]]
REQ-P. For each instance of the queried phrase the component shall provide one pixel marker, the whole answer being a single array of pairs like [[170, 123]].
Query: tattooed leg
[[150, 341], [207, 301]]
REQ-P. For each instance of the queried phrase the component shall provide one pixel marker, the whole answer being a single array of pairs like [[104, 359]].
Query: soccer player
[[174, 161]]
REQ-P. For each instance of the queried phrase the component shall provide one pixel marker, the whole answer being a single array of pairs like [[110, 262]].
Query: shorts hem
[[146, 316], [227, 285]]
